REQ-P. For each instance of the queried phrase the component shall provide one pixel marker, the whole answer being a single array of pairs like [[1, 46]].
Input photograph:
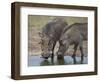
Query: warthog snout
[[46, 55]]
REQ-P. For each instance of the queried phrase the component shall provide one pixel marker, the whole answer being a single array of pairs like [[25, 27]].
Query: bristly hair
[[68, 27]]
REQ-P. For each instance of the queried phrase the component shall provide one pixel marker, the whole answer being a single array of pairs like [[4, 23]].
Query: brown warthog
[[50, 35], [73, 34]]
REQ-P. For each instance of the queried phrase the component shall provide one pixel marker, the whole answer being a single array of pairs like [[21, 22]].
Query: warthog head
[[63, 46], [46, 45]]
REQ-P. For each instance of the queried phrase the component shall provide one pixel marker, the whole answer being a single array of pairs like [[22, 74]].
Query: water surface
[[39, 61]]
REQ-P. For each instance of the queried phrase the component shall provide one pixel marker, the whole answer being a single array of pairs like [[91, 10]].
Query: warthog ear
[[64, 42], [40, 34]]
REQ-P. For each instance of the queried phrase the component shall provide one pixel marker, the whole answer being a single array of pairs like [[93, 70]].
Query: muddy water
[[68, 60]]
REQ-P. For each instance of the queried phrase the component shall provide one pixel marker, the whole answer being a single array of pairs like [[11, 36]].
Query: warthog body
[[50, 35], [73, 34]]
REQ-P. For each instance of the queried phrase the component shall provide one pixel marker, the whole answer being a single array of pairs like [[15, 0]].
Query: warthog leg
[[81, 49], [52, 55], [75, 49], [82, 55]]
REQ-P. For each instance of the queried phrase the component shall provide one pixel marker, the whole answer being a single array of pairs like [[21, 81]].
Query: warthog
[[73, 35], [50, 35]]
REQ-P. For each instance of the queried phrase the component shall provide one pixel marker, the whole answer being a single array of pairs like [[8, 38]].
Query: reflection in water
[[45, 62], [67, 60], [52, 62], [60, 61]]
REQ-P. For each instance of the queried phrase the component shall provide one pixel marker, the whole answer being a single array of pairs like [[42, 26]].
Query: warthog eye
[[61, 42]]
